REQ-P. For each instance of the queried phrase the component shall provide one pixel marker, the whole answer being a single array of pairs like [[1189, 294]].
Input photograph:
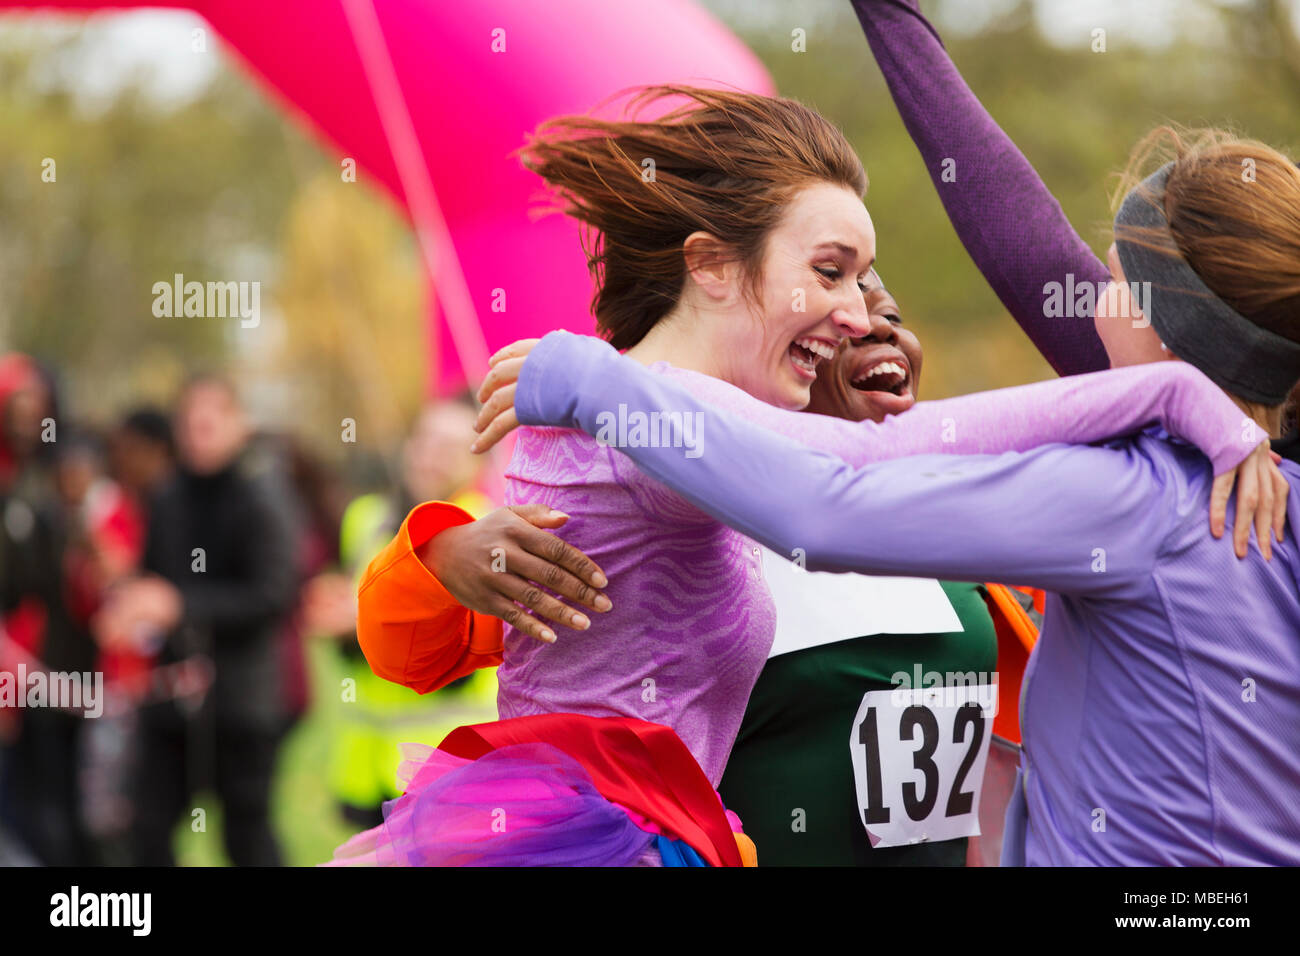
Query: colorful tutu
[[552, 790]]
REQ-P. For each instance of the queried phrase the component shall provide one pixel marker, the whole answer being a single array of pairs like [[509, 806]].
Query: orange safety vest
[[1017, 614]]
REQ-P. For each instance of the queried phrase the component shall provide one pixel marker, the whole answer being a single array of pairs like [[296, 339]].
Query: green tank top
[[790, 776]]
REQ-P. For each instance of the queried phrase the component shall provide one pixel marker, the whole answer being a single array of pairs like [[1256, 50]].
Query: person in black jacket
[[220, 577]]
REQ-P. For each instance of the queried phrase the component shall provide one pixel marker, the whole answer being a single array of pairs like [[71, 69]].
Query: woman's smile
[[807, 352]]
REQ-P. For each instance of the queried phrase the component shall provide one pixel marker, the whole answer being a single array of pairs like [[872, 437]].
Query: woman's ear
[[711, 265]]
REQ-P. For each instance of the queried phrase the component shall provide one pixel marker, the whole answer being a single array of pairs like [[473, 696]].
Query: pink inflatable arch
[[430, 97]]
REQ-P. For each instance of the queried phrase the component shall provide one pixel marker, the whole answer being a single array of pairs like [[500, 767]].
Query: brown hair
[[725, 163], [1233, 207]]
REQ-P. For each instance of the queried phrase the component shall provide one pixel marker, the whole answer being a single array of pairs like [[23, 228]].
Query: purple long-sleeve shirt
[[1018, 237], [1161, 724], [1011, 225]]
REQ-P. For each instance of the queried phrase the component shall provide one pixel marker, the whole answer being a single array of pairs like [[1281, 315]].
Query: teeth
[[817, 347], [882, 369]]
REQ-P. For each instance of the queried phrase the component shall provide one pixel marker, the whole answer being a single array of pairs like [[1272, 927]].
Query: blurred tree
[[136, 197], [138, 193], [351, 293]]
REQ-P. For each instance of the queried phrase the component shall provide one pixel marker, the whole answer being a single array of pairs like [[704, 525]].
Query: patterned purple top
[[692, 620]]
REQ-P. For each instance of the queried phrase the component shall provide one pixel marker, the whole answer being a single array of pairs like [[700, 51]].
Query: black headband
[[1194, 323]]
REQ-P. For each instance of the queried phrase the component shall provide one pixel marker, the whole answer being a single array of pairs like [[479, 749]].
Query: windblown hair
[[724, 162]]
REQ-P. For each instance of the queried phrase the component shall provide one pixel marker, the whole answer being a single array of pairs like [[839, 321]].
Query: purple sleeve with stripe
[[1011, 225]]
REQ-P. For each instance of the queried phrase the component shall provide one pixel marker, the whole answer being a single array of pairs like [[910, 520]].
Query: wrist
[[434, 553], [546, 393]]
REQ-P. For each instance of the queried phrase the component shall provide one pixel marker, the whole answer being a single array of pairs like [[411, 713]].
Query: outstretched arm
[[411, 630], [1011, 225], [951, 517], [579, 381]]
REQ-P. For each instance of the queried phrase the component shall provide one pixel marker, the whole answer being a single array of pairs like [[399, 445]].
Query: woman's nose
[[879, 329], [882, 329], [853, 321]]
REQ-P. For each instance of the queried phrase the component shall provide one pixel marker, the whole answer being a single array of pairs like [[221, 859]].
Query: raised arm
[[1007, 219], [579, 381]]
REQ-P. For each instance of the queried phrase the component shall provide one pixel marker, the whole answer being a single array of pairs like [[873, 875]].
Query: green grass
[[306, 818]]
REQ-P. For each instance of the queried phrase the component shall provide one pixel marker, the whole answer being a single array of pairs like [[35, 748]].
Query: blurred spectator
[[142, 453], [313, 493], [26, 400], [33, 745], [376, 716], [96, 538], [220, 578]]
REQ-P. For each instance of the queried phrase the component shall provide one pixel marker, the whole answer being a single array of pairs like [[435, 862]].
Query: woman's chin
[[884, 404], [794, 397]]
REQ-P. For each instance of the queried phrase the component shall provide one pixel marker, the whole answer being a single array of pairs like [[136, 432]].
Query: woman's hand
[[496, 418], [1261, 500], [503, 560]]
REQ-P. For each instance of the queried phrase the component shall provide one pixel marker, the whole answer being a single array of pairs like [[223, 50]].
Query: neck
[[684, 339]]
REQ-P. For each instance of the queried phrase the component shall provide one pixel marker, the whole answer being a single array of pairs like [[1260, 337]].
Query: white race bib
[[815, 607], [918, 762]]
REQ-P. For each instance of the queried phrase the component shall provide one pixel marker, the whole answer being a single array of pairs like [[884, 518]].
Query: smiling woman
[[728, 209], [878, 373]]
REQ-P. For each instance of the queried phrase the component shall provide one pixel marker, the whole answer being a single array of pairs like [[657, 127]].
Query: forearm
[[578, 382], [957, 518], [1009, 222], [410, 628]]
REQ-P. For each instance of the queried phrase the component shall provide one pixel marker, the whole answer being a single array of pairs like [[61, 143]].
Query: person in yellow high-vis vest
[[374, 717]]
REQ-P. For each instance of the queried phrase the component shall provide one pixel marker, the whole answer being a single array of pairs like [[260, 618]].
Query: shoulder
[[1182, 479], [556, 456]]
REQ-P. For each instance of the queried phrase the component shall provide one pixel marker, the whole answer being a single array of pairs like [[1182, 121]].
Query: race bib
[[918, 762], [815, 608]]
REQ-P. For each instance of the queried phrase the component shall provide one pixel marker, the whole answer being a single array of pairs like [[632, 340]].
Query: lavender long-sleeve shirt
[[1020, 240], [1161, 721]]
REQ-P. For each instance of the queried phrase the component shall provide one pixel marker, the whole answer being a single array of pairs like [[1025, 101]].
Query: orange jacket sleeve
[[412, 631]]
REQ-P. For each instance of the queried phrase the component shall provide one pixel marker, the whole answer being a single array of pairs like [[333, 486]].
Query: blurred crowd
[[184, 558]]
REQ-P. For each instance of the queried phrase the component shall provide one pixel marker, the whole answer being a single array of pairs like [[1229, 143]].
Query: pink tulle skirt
[[522, 805]]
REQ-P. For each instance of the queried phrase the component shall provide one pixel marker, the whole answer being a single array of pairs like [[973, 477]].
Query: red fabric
[[639, 765], [17, 372]]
